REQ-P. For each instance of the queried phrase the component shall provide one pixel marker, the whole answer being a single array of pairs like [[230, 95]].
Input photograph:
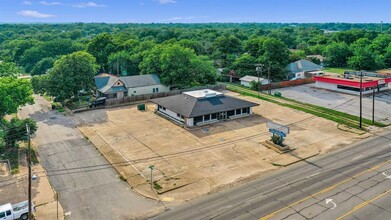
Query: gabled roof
[[191, 107], [104, 82], [140, 80], [303, 66], [248, 78]]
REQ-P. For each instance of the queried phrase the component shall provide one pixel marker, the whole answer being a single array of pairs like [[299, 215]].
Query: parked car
[[17, 211], [98, 102]]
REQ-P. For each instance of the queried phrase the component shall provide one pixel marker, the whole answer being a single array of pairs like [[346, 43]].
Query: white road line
[[357, 157], [312, 175]]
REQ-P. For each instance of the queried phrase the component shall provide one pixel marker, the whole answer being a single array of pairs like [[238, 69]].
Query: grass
[[157, 186], [330, 114], [338, 70]]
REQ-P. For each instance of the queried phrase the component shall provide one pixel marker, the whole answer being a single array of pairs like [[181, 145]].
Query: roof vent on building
[[209, 95]]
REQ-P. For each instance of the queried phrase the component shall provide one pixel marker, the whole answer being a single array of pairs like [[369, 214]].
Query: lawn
[[338, 70]]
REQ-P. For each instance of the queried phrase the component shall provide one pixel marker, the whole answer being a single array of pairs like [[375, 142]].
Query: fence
[[137, 98], [284, 84]]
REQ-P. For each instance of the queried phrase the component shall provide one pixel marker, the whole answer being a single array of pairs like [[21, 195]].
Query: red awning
[[347, 82]]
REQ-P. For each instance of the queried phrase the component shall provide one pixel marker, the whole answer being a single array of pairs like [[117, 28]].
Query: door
[[221, 116]]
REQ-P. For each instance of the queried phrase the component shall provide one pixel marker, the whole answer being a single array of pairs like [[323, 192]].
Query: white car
[[17, 211]]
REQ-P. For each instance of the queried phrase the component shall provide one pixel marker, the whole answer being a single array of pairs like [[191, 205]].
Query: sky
[[195, 11]]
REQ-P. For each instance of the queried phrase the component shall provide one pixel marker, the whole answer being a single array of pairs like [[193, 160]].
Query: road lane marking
[[387, 176], [312, 175], [357, 157], [331, 200], [363, 204], [324, 190]]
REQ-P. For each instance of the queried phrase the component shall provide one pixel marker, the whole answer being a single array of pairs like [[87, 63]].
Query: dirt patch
[[194, 162]]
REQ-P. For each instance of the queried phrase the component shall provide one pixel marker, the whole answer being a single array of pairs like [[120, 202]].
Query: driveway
[[88, 186], [342, 102]]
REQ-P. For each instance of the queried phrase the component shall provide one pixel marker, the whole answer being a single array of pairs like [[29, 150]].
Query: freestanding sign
[[277, 127]]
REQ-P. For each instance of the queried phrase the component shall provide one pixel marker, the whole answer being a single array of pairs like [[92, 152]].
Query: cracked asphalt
[[355, 181]]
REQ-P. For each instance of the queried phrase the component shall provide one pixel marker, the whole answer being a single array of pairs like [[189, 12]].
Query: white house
[[116, 87], [202, 107], [246, 80]]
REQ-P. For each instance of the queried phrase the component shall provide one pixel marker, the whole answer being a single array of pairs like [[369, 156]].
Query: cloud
[[27, 3], [34, 14], [167, 1], [49, 3], [88, 4]]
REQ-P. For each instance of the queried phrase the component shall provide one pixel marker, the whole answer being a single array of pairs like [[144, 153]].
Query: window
[[238, 111], [159, 106], [125, 93], [8, 212], [206, 117], [348, 88], [198, 119], [157, 89], [231, 113], [214, 116], [153, 90], [164, 108], [115, 95], [134, 92], [245, 110], [178, 115], [2, 214]]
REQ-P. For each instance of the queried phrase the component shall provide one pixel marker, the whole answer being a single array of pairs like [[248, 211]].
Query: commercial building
[[202, 107], [351, 84], [111, 86]]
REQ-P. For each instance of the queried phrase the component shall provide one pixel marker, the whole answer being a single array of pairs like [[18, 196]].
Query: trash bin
[[141, 107], [278, 94]]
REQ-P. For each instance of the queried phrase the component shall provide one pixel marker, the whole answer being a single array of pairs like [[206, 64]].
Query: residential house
[[111, 86], [246, 80], [303, 69]]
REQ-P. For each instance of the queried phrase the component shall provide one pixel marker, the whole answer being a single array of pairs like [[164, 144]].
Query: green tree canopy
[[364, 59], [42, 66], [244, 65], [15, 130], [337, 54], [8, 69], [14, 92], [178, 66], [71, 74], [101, 47]]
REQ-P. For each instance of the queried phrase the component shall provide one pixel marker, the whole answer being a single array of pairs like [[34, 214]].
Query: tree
[[244, 65], [178, 66], [15, 130], [39, 83], [277, 54], [297, 55], [42, 66], [365, 59], [14, 92], [71, 74], [8, 69], [337, 54], [123, 62], [101, 47]]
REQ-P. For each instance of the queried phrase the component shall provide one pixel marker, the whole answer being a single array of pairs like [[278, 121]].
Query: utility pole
[[29, 168], [268, 79], [151, 167], [258, 68], [373, 105], [361, 73]]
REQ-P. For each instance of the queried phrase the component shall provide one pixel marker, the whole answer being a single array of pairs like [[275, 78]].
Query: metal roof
[[303, 66], [191, 107], [248, 78]]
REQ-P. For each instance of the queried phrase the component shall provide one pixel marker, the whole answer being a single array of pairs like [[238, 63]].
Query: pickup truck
[[17, 211]]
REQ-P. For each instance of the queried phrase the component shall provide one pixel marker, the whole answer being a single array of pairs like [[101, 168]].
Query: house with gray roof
[[202, 107], [111, 86], [303, 69]]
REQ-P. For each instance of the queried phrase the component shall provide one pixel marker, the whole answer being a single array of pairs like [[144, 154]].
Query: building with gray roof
[[303, 69], [202, 107], [111, 86]]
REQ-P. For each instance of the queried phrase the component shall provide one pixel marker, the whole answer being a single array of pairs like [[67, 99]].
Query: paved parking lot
[[190, 163], [343, 102]]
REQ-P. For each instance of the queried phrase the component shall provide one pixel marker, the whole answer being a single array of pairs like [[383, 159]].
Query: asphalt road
[[88, 186], [347, 184]]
